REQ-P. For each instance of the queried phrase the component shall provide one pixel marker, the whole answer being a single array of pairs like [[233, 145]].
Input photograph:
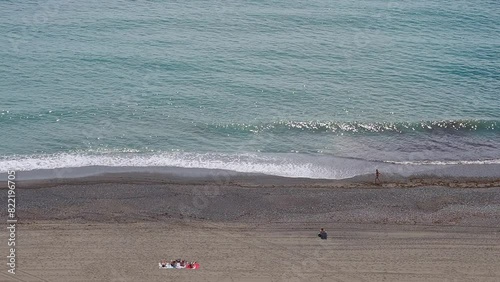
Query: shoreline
[[318, 169], [221, 177]]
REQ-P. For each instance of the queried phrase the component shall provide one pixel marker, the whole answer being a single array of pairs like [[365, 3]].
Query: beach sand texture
[[57, 251], [112, 231]]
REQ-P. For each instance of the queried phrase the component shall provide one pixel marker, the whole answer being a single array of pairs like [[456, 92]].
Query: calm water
[[325, 89]]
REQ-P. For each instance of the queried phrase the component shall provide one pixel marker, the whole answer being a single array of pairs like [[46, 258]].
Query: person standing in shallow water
[[377, 175]]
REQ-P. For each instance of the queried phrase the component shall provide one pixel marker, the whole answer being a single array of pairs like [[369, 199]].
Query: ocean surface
[[318, 89]]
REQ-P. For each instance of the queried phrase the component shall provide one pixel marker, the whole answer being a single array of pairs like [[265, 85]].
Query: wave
[[449, 126]]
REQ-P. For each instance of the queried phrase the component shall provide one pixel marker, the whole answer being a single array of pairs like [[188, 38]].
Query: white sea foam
[[246, 163], [286, 165], [447, 163]]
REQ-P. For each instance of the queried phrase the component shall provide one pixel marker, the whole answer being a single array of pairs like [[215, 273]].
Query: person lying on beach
[[165, 264], [322, 234], [179, 264]]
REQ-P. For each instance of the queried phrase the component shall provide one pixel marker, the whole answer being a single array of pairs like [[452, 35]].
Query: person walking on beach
[[322, 234], [377, 174]]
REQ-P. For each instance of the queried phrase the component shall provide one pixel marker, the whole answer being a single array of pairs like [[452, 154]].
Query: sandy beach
[[113, 228]]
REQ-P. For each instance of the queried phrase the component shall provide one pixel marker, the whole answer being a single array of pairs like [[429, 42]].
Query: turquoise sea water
[[323, 89]]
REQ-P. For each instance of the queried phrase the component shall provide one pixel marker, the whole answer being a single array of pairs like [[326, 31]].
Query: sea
[[326, 89]]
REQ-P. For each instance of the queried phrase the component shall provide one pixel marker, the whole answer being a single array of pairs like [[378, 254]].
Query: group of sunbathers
[[179, 264]]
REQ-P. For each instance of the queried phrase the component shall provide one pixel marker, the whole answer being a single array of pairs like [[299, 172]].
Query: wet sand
[[113, 228]]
